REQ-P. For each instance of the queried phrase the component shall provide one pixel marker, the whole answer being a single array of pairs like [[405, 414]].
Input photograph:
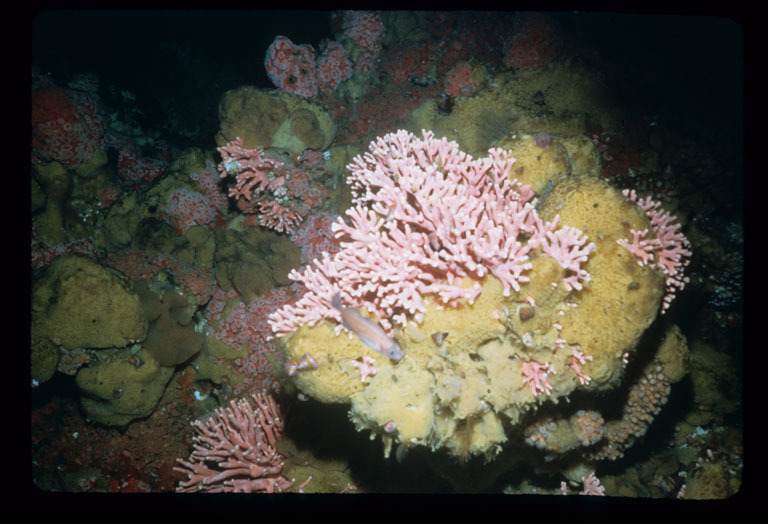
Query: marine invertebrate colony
[[496, 306], [425, 216], [234, 450]]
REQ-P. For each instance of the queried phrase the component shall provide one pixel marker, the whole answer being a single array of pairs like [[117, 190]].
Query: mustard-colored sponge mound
[[462, 385], [81, 304]]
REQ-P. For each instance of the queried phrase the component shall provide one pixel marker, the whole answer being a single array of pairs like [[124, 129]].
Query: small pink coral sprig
[[668, 250], [570, 248], [535, 375], [578, 359], [367, 367]]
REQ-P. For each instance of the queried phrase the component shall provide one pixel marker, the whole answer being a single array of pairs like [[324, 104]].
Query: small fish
[[370, 333], [422, 81]]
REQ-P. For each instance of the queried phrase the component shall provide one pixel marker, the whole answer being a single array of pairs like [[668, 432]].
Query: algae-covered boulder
[[272, 119], [559, 99], [146, 220], [45, 358], [251, 114], [505, 300], [122, 388], [78, 303], [56, 184], [474, 370], [171, 337], [622, 297], [539, 159], [94, 165], [711, 481], [254, 261]]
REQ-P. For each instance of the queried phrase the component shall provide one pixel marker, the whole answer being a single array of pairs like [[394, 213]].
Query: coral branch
[[234, 450]]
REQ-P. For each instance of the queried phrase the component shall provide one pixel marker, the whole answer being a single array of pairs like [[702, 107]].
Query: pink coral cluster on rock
[[405, 60], [234, 450], [253, 171], [42, 254], [260, 186], [193, 281], [668, 249], [426, 215], [241, 326], [646, 397]]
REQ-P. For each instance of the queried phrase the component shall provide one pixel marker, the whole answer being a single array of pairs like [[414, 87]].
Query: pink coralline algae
[[367, 367], [426, 215], [591, 486], [67, 126], [234, 450], [668, 250], [578, 359]]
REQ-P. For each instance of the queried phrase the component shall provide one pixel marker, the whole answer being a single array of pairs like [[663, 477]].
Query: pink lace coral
[[668, 249], [234, 450], [425, 216], [260, 185]]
